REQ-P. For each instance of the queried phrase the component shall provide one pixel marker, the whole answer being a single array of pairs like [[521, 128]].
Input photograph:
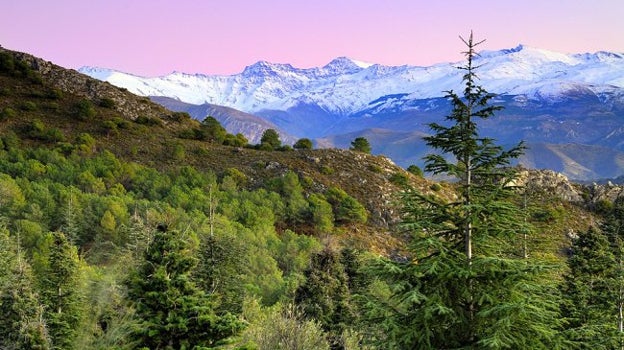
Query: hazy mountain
[[553, 99]]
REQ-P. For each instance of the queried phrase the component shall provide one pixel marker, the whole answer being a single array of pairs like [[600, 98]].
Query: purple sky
[[156, 37]]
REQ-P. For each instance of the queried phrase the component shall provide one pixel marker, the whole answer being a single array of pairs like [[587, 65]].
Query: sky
[[157, 37]]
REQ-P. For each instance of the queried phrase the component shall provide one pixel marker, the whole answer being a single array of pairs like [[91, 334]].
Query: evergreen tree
[[58, 273], [463, 286], [303, 143], [360, 144], [211, 130], [22, 325], [590, 292], [270, 139], [172, 312], [325, 295], [593, 292]]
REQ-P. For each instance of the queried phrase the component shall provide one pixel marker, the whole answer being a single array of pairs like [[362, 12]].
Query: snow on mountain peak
[[345, 65], [346, 86]]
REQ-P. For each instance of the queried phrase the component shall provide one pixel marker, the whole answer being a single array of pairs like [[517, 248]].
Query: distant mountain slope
[[550, 98], [233, 120]]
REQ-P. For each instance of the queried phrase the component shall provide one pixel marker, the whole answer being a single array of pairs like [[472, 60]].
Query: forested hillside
[[124, 225]]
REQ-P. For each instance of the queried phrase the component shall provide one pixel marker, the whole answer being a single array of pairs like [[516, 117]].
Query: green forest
[[109, 244]]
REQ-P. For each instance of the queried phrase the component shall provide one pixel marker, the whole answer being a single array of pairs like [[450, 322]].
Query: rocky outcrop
[[558, 185], [73, 82]]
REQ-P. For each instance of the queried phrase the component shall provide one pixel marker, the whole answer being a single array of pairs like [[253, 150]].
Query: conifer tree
[[22, 325], [463, 286], [172, 312], [593, 291], [58, 273], [325, 295]]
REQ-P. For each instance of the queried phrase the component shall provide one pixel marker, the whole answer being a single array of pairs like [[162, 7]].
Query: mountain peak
[[266, 68], [345, 64]]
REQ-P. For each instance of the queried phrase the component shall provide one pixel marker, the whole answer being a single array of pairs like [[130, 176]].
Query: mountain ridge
[[549, 98]]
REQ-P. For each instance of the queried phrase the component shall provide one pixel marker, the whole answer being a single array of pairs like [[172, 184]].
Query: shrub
[[180, 116], [326, 170], [107, 103], [414, 169], [375, 168], [303, 143], [346, 208], [399, 179], [84, 110], [270, 139], [28, 106], [149, 121], [54, 94], [360, 144], [435, 187], [7, 112]]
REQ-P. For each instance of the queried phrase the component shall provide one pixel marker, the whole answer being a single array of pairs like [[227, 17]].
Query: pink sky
[[156, 37]]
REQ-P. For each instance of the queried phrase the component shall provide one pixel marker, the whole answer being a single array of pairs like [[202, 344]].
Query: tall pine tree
[[22, 325], [325, 295], [463, 285], [172, 312], [58, 273], [593, 289]]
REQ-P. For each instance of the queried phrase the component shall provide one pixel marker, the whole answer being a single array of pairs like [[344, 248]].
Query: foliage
[[361, 144], [593, 289], [462, 285], [57, 269], [211, 130], [270, 140], [172, 311], [325, 295], [21, 325], [346, 208], [416, 170], [303, 143], [284, 328], [84, 110]]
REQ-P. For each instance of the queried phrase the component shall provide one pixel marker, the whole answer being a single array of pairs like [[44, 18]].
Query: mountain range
[[568, 108]]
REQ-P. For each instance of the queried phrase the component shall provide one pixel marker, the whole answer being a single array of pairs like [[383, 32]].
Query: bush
[[303, 143], [107, 103], [270, 140], [28, 106], [360, 144], [414, 169], [399, 179], [84, 110], [7, 112], [143, 120], [180, 116], [346, 208]]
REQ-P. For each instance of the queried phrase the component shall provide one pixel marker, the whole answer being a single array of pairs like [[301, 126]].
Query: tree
[[58, 272], [211, 130], [360, 144], [590, 292], [346, 208], [325, 295], [172, 312], [463, 285], [303, 143], [22, 325], [270, 139], [284, 328], [593, 289]]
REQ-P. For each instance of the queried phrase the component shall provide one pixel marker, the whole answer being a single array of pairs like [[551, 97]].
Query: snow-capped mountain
[[550, 98], [346, 87]]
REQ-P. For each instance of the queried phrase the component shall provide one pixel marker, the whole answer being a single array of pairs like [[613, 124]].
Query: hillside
[[138, 130], [112, 207], [47, 110]]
